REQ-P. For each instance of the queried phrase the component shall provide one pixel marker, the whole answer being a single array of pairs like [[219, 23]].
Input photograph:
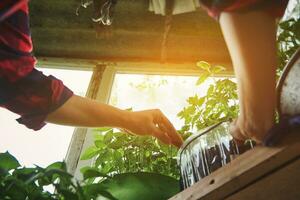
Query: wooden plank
[[141, 67], [127, 46], [243, 171], [282, 184]]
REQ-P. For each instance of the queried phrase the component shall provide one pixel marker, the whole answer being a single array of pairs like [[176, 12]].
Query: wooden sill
[[261, 173]]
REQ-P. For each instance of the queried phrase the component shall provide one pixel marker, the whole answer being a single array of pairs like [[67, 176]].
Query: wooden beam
[[127, 46], [245, 170], [282, 184], [185, 68]]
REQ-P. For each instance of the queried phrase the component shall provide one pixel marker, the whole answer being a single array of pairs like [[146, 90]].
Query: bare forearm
[[79, 111], [251, 40]]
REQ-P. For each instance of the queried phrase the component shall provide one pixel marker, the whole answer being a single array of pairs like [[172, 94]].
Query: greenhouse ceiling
[[135, 35]]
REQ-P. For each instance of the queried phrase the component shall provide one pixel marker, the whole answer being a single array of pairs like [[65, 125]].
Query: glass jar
[[206, 151]]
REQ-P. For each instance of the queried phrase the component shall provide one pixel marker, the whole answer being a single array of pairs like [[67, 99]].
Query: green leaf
[[60, 172], [141, 185], [99, 144], [102, 129], [119, 134], [203, 65], [108, 137], [117, 144], [107, 169], [98, 136], [217, 69], [67, 194], [8, 162], [193, 100], [210, 90], [93, 173], [285, 24], [89, 153], [202, 78], [57, 165], [94, 190], [25, 173], [201, 101], [14, 189]]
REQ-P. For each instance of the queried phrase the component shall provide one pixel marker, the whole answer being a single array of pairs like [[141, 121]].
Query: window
[[168, 93], [133, 85], [50, 144]]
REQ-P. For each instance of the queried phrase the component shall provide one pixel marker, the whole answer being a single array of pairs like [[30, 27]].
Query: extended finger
[[177, 141], [160, 134], [169, 129]]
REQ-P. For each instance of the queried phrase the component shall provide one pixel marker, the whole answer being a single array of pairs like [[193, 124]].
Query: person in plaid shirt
[[38, 98], [249, 30]]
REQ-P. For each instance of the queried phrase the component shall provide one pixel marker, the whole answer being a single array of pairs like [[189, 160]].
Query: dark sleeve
[[33, 97], [214, 7], [23, 89]]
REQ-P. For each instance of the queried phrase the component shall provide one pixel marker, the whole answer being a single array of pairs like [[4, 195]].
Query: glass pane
[[50, 144], [168, 93]]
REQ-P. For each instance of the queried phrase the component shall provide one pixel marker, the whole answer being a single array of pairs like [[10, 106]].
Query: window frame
[[82, 137]]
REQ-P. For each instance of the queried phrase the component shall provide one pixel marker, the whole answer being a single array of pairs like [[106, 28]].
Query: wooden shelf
[[261, 173]]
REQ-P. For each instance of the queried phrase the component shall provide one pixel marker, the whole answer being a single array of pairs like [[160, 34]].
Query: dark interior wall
[[136, 34]]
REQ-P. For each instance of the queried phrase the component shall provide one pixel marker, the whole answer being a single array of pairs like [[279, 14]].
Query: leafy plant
[[19, 183], [141, 185], [116, 152], [219, 104], [288, 37]]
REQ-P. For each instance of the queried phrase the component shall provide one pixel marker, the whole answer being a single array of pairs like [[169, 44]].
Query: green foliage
[[220, 102], [141, 185], [19, 183], [121, 160], [8, 162], [288, 40], [149, 85], [116, 152]]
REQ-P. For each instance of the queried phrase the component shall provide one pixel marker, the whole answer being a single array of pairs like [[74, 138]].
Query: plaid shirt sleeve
[[214, 7], [23, 89]]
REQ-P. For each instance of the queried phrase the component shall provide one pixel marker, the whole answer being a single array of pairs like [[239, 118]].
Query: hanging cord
[[83, 4], [103, 10], [168, 24]]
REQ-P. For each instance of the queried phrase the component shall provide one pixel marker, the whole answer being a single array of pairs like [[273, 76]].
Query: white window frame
[[82, 137]]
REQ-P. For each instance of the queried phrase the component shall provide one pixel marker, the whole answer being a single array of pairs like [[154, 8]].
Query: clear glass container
[[206, 151]]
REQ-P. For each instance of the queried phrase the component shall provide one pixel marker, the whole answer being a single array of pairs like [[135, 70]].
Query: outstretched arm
[[251, 40], [79, 111]]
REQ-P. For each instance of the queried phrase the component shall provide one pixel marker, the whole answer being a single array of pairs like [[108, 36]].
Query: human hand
[[237, 133], [241, 131], [155, 123]]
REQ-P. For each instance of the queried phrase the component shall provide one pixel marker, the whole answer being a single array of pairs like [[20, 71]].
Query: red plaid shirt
[[23, 89], [215, 7]]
